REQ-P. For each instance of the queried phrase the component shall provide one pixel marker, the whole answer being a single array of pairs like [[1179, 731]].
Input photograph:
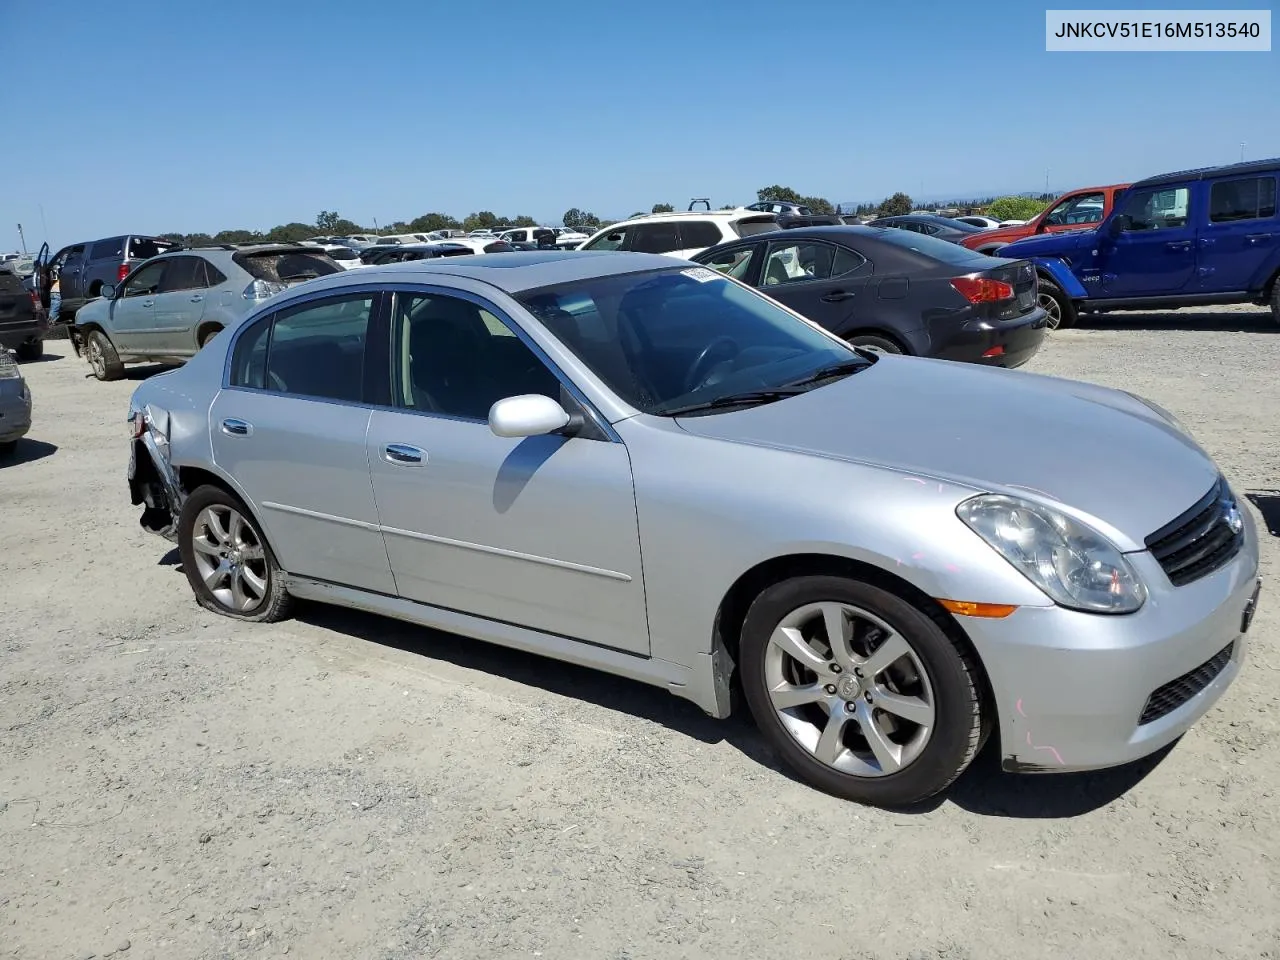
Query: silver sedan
[[646, 467]]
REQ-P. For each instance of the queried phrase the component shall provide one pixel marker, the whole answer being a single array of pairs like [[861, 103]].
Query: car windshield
[[672, 338]]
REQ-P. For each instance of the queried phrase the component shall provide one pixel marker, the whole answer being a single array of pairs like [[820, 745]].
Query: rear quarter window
[[144, 248], [750, 226], [699, 233]]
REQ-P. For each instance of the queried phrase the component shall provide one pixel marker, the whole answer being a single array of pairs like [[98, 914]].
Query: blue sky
[[156, 116]]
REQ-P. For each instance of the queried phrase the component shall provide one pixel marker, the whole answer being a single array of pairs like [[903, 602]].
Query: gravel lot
[[173, 784]]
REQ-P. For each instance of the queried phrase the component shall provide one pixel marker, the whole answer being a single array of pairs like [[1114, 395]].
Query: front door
[[71, 276], [291, 428], [539, 532], [820, 281], [133, 314], [1242, 234], [1155, 254]]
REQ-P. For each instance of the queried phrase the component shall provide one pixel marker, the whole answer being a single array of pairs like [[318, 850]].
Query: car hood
[[1051, 244], [1102, 454]]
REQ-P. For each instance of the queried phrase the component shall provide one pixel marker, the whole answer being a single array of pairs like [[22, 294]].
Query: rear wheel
[[228, 562], [7, 449], [874, 344], [861, 693], [1275, 300], [30, 351], [207, 335], [1056, 303], [102, 357]]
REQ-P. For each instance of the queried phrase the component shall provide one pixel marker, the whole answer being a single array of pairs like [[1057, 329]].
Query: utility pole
[[1242, 145], [23, 237], [1046, 181]]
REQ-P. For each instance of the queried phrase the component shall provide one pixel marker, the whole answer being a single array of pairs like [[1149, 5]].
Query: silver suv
[[172, 305]]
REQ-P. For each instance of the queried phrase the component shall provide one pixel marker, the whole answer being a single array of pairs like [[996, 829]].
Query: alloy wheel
[[94, 353], [230, 558], [849, 689], [1053, 309]]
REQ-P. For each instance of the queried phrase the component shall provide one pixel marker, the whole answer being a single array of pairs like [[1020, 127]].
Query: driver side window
[[615, 239], [146, 281], [1156, 209]]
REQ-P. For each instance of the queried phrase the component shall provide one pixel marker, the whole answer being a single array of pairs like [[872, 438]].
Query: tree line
[[330, 223]]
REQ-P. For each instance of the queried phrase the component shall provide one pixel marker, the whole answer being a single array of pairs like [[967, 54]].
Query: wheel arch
[[191, 478], [908, 350], [205, 326], [732, 611]]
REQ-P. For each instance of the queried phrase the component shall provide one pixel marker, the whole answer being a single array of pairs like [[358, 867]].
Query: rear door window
[[698, 233], [655, 237], [183, 273], [112, 249], [1249, 199]]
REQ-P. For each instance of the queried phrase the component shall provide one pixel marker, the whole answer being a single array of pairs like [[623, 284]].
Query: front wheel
[[228, 562], [1056, 303], [860, 692], [30, 352], [103, 359], [1275, 300]]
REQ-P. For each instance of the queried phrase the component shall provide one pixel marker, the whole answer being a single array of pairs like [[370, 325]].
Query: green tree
[[590, 220], [1015, 208], [818, 204], [291, 232], [237, 236], [572, 217], [777, 192], [896, 206], [483, 220], [524, 221], [663, 208], [432, 221], [326, 221], [342, 228]]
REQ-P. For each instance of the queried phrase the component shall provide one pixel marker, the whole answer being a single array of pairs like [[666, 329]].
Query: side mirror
[[108, 291], [529, 415], [1119, 224]]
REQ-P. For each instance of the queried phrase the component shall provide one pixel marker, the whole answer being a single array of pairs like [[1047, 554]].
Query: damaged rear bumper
[[154, 485]]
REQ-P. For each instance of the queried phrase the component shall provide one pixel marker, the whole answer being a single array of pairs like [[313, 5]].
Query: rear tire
[[923, 700], [1275, 300], [102, 357], [227, 560], [7, 449], [207, 335], [1062, 312], [30, 352], [873, 343]]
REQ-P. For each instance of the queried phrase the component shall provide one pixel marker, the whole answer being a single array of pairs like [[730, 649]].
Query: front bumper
[[15, 413], [1071, 687], [998, 343]]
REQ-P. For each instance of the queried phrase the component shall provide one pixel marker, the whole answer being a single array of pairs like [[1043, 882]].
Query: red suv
[[1071, 211]]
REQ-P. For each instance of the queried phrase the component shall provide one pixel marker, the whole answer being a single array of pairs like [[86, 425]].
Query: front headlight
[[1073, 564]]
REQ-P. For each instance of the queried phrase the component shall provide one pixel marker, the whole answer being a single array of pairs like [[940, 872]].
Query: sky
[[184, 116]]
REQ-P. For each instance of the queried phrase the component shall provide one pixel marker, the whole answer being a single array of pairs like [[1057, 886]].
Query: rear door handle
[[835, 296], [1256, 237], [403, 454], [1179, 244], [236, 428]]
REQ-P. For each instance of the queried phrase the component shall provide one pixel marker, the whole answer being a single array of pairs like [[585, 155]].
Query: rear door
[[290, 427], [178, 308], [1241, 235], [1155, 253], [132, 313], [820, 281]]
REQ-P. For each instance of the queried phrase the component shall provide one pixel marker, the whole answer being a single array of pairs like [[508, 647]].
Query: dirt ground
[[174, 785]]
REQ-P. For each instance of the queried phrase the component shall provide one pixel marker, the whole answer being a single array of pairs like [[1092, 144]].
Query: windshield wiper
[[842, 369], [747, 399]]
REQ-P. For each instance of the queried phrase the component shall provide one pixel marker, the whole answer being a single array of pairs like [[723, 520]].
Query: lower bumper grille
[[1168, 698]]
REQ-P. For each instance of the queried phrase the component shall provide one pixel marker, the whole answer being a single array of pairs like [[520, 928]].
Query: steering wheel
[[697, 374]]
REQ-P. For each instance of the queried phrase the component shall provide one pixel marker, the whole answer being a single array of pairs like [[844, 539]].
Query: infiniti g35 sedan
[[644, 466]]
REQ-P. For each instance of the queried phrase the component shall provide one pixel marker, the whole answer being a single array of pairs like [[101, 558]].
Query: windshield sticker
[[701, 274]]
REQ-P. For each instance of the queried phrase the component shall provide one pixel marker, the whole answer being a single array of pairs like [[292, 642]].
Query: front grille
[[1164, 700], [1202, 540]]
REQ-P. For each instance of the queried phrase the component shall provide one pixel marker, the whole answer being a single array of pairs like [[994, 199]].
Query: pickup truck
[[1192, 238], [1086, 207], [84, 268]]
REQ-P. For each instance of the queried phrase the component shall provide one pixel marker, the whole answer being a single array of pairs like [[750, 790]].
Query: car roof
[[512, 273], [1206, 173]]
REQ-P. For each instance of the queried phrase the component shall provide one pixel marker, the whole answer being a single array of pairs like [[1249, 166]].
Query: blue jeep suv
[[1177, 240]]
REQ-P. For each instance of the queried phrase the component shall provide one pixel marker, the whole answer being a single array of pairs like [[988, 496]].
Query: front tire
[[30, 352], [228, 562], [888, 714], [873, 343], [102, 357], [1056, 303], [1275, 300]]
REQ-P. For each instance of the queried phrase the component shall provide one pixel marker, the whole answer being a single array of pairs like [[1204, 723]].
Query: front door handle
[[403, 454], [1257, 237], [147, 303], [197, 298], [1179, 244], [236, 428], [835, 296]]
